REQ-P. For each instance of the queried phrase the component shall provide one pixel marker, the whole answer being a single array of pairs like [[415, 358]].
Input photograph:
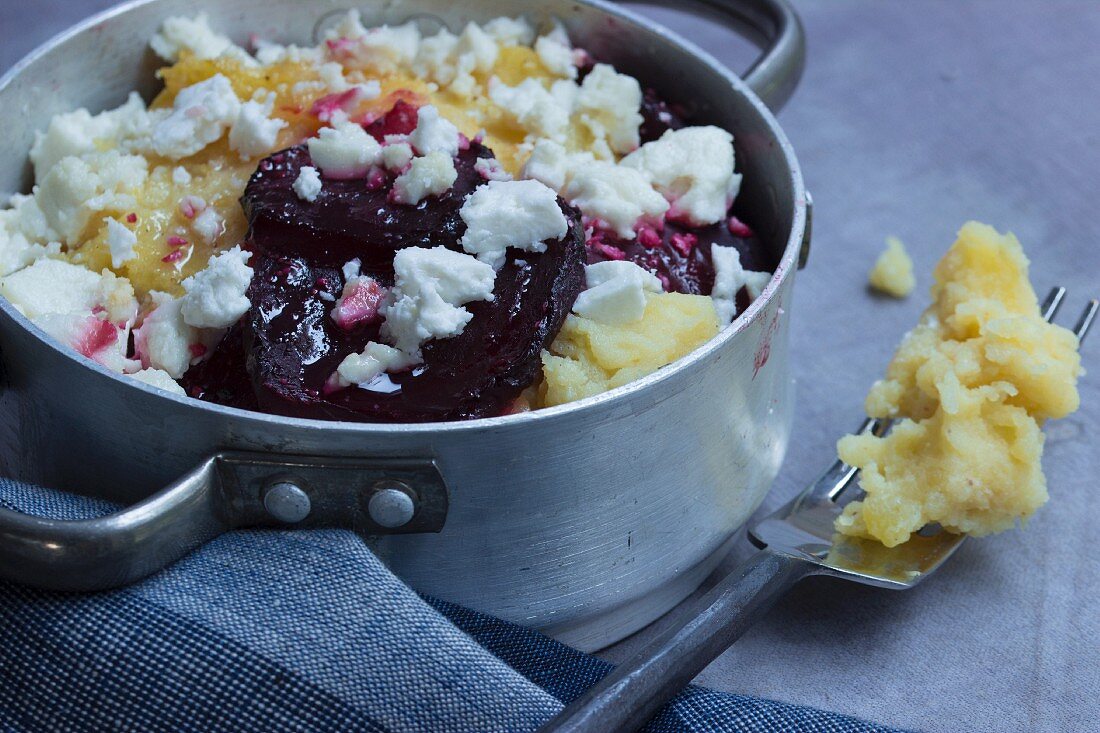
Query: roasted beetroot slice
[[350, 218], [295, 345]]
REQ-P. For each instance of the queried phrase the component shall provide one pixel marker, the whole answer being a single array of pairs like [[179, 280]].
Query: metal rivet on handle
[[287, 502], [392, 504]]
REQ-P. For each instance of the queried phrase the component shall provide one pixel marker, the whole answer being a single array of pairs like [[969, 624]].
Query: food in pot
[[390, 226], [893, 271], [970, 388]]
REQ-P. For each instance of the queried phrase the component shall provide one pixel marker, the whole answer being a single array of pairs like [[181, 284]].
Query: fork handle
[[633, 692]]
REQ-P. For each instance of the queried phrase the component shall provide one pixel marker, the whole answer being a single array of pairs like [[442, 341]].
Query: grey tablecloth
[[911, 118]]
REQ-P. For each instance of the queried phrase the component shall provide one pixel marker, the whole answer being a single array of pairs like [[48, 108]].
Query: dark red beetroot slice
[[295, 345], [350, 218]]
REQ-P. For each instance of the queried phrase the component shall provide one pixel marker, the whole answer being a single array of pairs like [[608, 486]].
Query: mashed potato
[[970, 386], [588, 358], [893, 270]]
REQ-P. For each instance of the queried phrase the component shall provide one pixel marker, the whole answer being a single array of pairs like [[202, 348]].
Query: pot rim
[[787, 264]]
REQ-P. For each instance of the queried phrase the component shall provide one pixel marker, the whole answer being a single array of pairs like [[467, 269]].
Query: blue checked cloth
[[298, 631]]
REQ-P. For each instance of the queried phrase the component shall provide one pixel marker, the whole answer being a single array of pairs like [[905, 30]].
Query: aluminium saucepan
[[586, 521]]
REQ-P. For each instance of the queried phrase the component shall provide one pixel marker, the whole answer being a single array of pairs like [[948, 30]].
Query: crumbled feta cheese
[[694, 169], [615, 195], [550, 163], [194, 35], [344, 150], [120, 242], [308, 184], [216, 297], [164, 340], [491, 170], [208, 224], [430, 286], [556, 56], [616, 292], [609, 105], [75, 188], [269, 52], [397, 155], [510, 31], [431, 175], [200, 115], [88, 312], [78, 133], [433, 133], [540, 111], [502, 214], [56, 287], [375, 359], [159, 379], [180, 176], [384, 49], [24, 234], [729, 278], [254, 132]]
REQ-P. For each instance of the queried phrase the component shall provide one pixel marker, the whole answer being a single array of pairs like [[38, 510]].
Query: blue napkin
[[298, 631]]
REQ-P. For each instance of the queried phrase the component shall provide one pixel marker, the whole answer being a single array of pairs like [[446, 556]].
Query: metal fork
[[794, 542]]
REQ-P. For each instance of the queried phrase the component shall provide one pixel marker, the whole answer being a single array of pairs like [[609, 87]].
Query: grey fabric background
[[912, 118]]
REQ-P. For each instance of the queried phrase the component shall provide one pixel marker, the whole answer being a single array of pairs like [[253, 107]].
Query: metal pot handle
[[227, 490], [772, 25]]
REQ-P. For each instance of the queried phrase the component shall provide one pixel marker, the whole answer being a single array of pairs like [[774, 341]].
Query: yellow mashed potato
[[970, 386], [893, 270], [218, 175], [588, 358]]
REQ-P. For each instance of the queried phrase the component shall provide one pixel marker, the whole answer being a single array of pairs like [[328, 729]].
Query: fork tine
[[1053, 302], [1084, 323]]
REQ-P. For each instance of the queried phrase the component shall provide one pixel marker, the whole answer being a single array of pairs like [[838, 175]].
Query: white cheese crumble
[[556, 56], [694, 169], [433, 133], [491, 170], [78, 133], [396, 155], [617, 197], [208, 224], [375, 359], [308, 184], [431, 175], [180, 176], [54, 286], [729, 278], [450, 60], [384, 49], [201, 113], [75, 188], [120, 242], [216, 297], [430, 286], [88, 312], [616, 292], [510, 31], [254, 131], [24, 234], [164, 340], [502, 214], [160, 379], [344, 150], [609, 105], [194, 35], [540, 111]]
